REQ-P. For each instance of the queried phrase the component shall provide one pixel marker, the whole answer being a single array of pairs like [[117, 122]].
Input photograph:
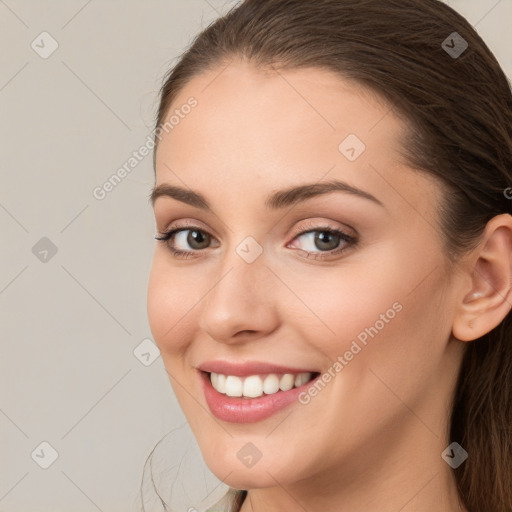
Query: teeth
[[302, 378], [234, 386], [221, 383], [286, 382], [255, 386], [271, 384]]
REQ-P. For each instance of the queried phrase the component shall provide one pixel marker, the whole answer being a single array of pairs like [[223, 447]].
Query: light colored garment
[[231, 502]]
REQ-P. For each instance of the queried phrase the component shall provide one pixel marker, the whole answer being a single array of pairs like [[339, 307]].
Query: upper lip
[[248, 368]]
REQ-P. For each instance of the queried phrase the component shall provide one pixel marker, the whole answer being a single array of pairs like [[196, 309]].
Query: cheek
[[403, 342], [389, 311], [341, 303], [386, 361], [170, 305]]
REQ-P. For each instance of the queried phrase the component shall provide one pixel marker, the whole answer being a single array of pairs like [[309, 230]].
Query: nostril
[[244, 333]]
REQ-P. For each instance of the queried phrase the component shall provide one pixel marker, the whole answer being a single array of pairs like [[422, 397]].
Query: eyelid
[[310, 226], [307, 226], [186, 224], [318, 225]]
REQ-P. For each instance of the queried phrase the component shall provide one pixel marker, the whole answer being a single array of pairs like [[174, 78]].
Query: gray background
[[71, 321]]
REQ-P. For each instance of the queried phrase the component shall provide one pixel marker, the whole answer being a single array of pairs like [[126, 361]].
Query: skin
[[372, 439]]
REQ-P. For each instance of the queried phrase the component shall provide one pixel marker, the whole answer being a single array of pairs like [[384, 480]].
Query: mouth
[[256, 386], [252, 398]]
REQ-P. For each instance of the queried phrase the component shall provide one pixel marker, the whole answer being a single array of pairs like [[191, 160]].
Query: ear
[[487, 299]]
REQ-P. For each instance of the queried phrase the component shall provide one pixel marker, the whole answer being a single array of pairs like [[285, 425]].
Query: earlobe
[[489, 298]]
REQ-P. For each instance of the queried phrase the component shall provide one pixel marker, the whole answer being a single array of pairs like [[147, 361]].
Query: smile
[[257, 394], [254, 386]]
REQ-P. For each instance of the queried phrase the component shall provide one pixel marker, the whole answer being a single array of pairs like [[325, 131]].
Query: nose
[[241, 304]]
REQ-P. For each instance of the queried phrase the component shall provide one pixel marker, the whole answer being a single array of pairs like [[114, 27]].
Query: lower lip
[[247, 410]]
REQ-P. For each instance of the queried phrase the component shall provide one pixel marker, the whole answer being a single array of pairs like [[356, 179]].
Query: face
[[344, 286]]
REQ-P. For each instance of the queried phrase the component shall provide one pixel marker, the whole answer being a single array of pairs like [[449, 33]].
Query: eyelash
[[351, 241]]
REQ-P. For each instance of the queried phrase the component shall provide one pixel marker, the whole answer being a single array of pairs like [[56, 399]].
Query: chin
[[246, 478], [265, 472]]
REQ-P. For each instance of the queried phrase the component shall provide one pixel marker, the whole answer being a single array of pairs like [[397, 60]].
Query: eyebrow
[[277, 200]]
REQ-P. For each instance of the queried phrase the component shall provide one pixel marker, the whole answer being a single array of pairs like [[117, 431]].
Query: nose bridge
[[239, 299], [241, 276]]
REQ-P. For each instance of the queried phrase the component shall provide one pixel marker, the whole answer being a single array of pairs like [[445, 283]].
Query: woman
[[331, 286]]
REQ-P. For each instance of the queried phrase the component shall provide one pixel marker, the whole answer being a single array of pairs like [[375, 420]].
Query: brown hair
[[459, 112]]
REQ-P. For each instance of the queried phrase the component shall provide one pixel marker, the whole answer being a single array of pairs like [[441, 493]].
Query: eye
[[318, 243], [323, 241], [190, 237]]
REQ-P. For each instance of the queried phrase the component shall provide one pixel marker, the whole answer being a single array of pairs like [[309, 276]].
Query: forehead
[[238, 98], [254, 129]]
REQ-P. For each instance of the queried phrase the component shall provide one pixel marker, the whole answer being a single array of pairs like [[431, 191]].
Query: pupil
[[196, 237], [322, 240]]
